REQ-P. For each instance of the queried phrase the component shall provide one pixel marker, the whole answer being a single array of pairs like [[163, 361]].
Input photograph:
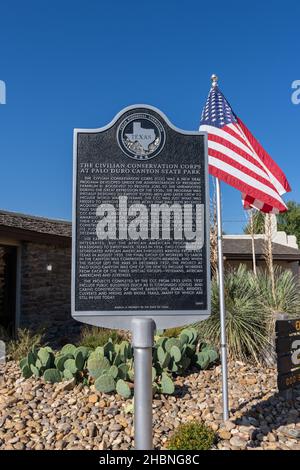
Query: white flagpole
[[214, 79]]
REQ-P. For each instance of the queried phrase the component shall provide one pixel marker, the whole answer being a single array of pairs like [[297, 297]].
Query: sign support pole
[[222, 305], [142, 342]]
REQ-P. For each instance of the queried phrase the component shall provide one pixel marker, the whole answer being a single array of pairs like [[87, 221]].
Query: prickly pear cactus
[[26, 371], [79, 360], [167, 385], [123, 389], [52, 376], [44, 356], [203, 359], [60, 360], [84, 351], [35, 370], [175, 353], [113, 371], [123, 371], [97, 365], [68, 349], [71, 366], [67, 374], [110, 367], [105, 383]]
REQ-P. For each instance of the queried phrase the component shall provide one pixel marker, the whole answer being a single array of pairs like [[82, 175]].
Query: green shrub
[[192, 436], [25, 340], [92, 336], [246, 317], [171, 332]]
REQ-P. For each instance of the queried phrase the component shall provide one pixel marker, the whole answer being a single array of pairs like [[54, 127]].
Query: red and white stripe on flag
[[237, 158]]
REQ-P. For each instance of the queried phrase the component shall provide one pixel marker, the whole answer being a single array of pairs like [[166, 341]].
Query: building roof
[[33, 228], [239, 248], [41, 229]]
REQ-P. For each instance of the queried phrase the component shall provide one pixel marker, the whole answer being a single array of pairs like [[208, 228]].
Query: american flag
[[236, 157]]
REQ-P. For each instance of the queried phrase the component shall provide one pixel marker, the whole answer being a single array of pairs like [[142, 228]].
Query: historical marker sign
[[288, 353], [140, 222]]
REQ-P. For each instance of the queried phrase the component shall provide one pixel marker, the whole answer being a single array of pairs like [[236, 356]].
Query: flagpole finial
[[214, 80]]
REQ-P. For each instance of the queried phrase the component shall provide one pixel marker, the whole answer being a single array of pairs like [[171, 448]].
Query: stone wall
[[46, 293], [2, 283]]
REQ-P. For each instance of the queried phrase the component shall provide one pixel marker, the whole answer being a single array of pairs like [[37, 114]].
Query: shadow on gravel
[[245, 403], [181, 391], [276, 413]]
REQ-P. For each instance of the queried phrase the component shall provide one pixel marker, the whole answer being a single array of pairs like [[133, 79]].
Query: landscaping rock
[[223, 434], [39, 416], [65, 386], [93, 398], [293, 433], [237, 442]]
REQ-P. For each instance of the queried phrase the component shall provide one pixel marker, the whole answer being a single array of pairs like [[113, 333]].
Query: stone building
[[35, 270], [286, 254]]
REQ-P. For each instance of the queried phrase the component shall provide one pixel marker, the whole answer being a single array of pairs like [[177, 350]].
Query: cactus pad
[[97, 365], [123, 389], [26, 371], [52, 376], [105, 383], [68, 349], [167, 385], [71, 366]]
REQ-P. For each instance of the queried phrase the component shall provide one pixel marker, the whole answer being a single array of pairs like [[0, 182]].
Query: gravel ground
[[35, 415]]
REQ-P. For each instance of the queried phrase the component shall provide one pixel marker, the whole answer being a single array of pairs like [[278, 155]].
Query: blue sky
[[73, 64]]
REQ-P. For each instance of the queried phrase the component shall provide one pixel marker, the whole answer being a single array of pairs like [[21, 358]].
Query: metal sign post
[[142, 342], [140, 241], [222, 305]]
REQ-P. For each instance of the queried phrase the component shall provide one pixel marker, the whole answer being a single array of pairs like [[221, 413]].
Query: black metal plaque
[[288, 380], [287, 327], [288, 353], [285, 343], [140, 219]]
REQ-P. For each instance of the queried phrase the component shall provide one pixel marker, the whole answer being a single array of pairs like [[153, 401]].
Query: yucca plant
[[246, 318], [284, 298]]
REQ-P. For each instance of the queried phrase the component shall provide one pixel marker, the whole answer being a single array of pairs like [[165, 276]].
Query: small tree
[[251, 214], [289, 221], [268, 251], [257, 224]]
